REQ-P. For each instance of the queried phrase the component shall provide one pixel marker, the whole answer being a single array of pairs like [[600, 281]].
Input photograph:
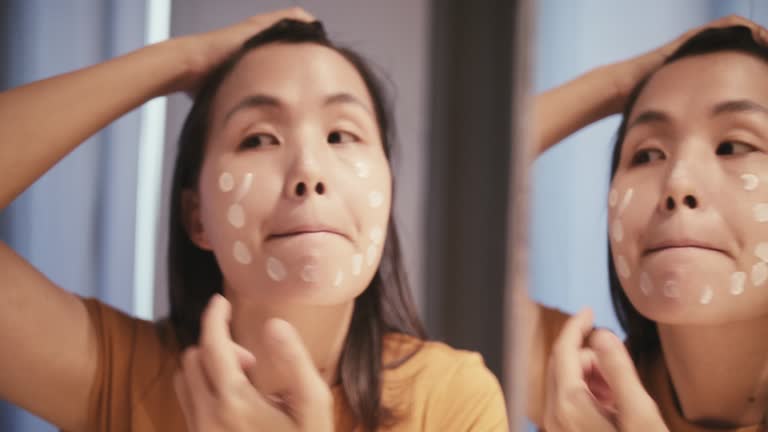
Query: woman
[[686, 255], [288, 307]]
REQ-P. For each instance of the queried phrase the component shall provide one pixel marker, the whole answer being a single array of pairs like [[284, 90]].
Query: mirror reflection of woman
[[289, 307], [688, 260]]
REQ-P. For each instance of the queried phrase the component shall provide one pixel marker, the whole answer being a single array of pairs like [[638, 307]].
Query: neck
[[323, 329], [719, 372]]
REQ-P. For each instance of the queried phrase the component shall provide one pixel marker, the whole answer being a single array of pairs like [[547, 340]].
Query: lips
[[682, 244], [281, 233]]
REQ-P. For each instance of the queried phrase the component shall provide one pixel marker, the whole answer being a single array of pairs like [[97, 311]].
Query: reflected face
[[295, 187], [688, 207]]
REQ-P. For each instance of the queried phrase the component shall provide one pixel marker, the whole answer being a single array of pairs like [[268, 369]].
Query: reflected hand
[[216, 395], [592, 384]]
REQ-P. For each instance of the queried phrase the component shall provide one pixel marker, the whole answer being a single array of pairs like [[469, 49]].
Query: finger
[[185, 401], [198, 385], [244, 357], [566, 363], [637, 411], [308, 396], [218, 355]]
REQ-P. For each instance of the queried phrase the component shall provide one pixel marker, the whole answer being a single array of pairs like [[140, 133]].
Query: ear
[[193, 224]]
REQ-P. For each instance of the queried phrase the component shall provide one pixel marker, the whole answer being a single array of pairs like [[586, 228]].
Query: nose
[[680, 191], [305, 178]]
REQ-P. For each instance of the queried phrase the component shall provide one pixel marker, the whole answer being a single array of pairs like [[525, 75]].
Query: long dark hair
[[642, 333], [385, 306]]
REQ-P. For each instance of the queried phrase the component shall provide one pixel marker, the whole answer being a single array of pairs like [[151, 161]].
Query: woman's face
[[688, 207], [295, 189]]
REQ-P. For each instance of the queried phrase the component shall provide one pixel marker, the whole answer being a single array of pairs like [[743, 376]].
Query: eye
[[647, 156], [729, 148], [341, 137], [258, 140]]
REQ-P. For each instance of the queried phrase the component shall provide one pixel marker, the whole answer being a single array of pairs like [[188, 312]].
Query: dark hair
[[385, 306], [642, 334]]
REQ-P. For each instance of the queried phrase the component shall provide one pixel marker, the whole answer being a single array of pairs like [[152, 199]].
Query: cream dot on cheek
[[339, 278], [617, 230], [760, 212], [244, 187], [750, 181], [737, 283], [627, 199], [226, 182], [375, 199], [613, 198], [241, 253], [276, 270], [622, 267], [236, 215], [362, 170], [357, 264], [371, 255], [645, 284], [759, 273], [761, 251], [377, 235]]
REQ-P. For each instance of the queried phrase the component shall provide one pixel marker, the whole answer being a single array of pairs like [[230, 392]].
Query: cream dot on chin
[[310, 273], [357, 264], [241, 253], [751, 181], [706, 295], [737, 283], [236, 215], [671, 289], [276, 269], [226, 182]]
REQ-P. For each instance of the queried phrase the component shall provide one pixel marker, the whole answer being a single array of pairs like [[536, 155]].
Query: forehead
[[695, 84], [300, 75]]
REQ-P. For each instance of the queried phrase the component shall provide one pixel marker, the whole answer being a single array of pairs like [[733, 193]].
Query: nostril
[[301, 188], [320, 189], [670, 203], [690, 201]]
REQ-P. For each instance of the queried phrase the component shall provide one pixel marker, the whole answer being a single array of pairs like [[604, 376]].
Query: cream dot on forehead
[[759, 273], [276, 270], [737, 283], [617, 231], [760, 212], [241, 253], [750, 181], [375, 199], [236, 215], [226, 182], [706, 295], [622, 267]]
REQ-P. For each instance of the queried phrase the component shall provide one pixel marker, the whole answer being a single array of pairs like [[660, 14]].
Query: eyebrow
[[727, 107], [271, 102]]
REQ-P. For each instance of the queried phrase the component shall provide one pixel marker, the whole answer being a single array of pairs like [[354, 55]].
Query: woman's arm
[[49, 354]]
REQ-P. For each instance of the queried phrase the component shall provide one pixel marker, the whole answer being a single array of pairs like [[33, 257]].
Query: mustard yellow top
[[438, 389]]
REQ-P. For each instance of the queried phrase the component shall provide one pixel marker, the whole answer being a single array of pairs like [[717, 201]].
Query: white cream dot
[[706, 295], [759, 273], [670, 289], [760, 212], [236, 215], [645, 284], [241, 253], [377, 234], [362, 170], [750, 181], [357, 264], [339, 278], [276, 270], [617, 230], [226, 182], [737, 282], [375, 199], [622, 267], [244, 187], [370, 256], [613, 198], [310, 273], [627, 199], [761, 251]]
